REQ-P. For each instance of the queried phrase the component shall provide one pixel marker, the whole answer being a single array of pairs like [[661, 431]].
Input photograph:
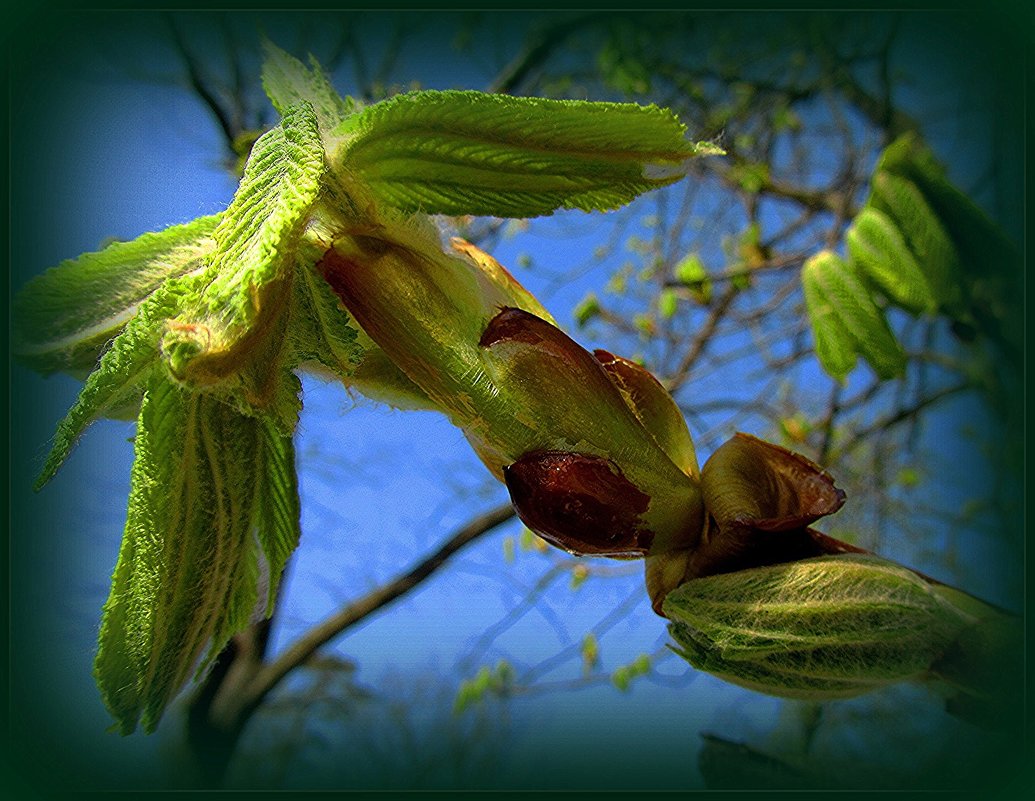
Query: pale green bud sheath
[[530, 399], [821, 628]]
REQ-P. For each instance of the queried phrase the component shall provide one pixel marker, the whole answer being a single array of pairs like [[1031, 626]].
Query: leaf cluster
[[199, 331], [921, 245]]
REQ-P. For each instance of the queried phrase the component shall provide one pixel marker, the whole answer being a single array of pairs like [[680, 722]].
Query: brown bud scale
[[580, 503]]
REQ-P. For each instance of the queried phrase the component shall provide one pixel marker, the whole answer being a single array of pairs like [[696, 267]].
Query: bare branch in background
[[320, 634]]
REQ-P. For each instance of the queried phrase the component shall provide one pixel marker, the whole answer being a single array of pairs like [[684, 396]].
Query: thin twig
[[536, 54], [903, 414], [271, 674]]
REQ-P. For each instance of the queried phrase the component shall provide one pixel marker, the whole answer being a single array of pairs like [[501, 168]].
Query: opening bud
[[580, 503]]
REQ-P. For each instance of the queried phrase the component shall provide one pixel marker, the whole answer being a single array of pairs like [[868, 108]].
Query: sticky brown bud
[[580, 503]]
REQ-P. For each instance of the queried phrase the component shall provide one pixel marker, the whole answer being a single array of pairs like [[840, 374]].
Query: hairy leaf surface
[[845, 320], [249, 272], [465, 152], [64, 318], [925, 236], [818, 628], [121, 371], [878, 246], [288, 82], [211, 490]]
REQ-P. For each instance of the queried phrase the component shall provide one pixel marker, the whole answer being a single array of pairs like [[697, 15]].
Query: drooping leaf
[[926, 236], [211, 489], [277, 511], [845, 321], [982, 244], [250, 270], [465, 152], [876, 244], [121, 371], [186, 573], [834, 345], [990, 264], [288, 82], [63, 319]]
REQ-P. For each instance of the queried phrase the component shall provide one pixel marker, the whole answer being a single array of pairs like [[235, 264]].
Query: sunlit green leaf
[[586, 310], [288, 82], [845, 321], [256, 240], [121, 371], [982, 243], [926, 237], [691, 272], [464, 152], [63, 319], [321, 329], [668, 303], [187, 575], [876, 244], [276, 504], [991, 265]]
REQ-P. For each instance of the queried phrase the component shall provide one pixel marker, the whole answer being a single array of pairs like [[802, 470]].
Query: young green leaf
[[877, 245], [845, 320], [63, 319], [587, 309], [690, 272], [210, 487], [465, 152], [121, 371], [926, 236], [249, 272], [276, 504], [288, 82], [991, 266], [321, 329], [981, 243], [834, 345], [668, 303]]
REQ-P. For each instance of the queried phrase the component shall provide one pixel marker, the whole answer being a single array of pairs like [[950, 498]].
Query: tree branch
[[305, 646], [202, 86], [536, 53], [903, 414]]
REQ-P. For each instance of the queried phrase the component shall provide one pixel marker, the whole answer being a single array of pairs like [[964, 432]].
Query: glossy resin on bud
[[582, 504], [572, 399]]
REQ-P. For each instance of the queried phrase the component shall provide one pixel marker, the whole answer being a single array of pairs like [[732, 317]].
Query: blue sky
[[95, 155]]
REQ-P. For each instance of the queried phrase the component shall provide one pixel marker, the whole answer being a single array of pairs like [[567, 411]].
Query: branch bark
[[322, 633], [241, 679], [536, 54]]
